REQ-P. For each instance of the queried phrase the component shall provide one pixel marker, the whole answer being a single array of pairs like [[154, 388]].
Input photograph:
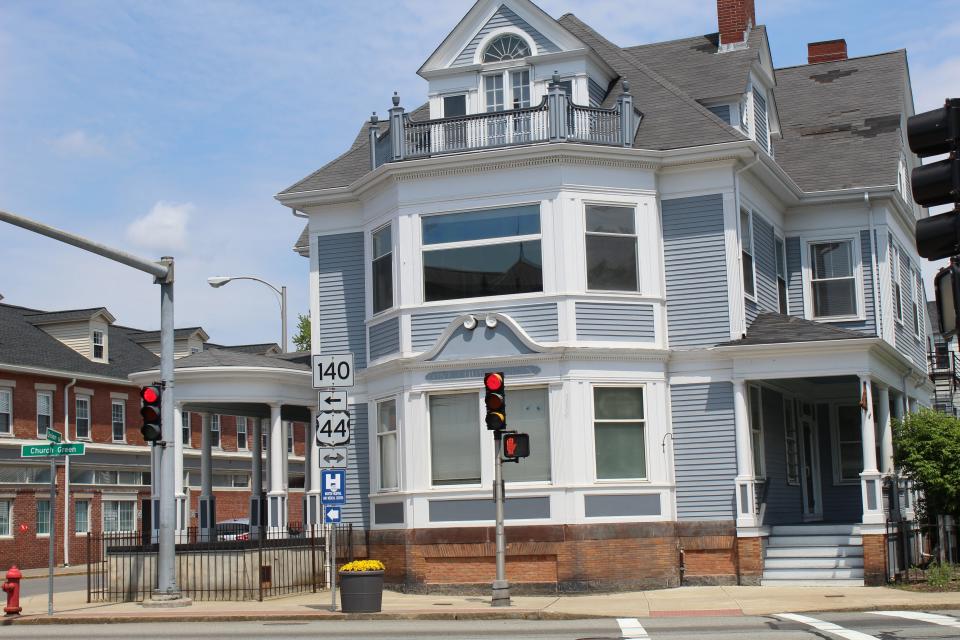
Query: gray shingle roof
[[258, 349], [774, 328], [302, 245], [70, 315], [841, 121], [152, 336], [229, 358]]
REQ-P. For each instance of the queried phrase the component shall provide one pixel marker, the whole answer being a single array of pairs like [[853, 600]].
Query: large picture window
[[619, 426], [529, 412], [382, 269], [746, 253], [455, 439], [611, 248], [482, 253], [83, 418], [387, 444], [833, 279]]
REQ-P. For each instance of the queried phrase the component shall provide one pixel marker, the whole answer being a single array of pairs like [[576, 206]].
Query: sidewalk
[[72, 607], [72, 570]]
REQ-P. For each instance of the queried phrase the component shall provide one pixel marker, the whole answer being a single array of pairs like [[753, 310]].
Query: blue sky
[[167, 127]]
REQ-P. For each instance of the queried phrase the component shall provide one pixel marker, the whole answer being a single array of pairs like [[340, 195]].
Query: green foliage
[[939, 575], [301, 340], [928, 450]]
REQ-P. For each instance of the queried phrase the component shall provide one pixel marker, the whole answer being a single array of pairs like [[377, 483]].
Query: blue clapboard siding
[[704, 450], [784, 501], [505, 18], [597, 92], [794, 277], [357, 508], [696, 271], [722, 111], [905, 339], [615, 322], [869, 325], [760, 120], [765, 259], [342, 296], [384, 338], [752, 311], [540, 321]]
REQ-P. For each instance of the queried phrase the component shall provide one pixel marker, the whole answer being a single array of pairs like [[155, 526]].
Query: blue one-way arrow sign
[[331, 514]]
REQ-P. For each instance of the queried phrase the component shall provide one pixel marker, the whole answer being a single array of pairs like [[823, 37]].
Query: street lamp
[[218, 281]]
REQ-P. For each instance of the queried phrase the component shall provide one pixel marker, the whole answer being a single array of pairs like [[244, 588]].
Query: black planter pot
[[361, 591]]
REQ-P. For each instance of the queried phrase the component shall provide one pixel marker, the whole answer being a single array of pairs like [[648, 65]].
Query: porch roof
[[775, 328]]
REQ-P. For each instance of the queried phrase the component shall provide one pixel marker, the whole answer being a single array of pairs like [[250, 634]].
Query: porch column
[[277, 498], [313, 513], [207, 504], [745, 482], [870, 477], [886, 431], [256, 476], [179, 494]]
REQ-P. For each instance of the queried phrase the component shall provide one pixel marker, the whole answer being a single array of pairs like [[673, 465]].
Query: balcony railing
[[555, 119], [944, 365]]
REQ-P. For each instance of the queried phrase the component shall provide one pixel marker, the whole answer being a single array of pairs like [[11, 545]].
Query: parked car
[[236, 529]]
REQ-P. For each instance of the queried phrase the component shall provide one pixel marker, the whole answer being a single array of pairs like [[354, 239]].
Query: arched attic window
[[506, 47]]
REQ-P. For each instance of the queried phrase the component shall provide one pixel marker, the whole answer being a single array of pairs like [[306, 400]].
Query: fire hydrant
[[12, 587]]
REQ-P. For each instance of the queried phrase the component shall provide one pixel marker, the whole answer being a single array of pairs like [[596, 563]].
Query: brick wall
[[733, 16], [874, 560], [750, 555]]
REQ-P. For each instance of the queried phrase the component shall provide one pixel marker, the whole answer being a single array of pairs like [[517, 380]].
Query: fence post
[[89, 561], [625, 104], [259, 574], [398, 151], [557, 110], [313, 557]]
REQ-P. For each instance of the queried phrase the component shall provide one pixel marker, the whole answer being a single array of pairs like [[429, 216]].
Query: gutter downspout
[[736, 197], [66, 475], [877, 306]]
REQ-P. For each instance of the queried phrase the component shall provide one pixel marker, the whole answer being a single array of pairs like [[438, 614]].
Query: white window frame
[[215, 420], [102, 344], [242, 420], [779, 240], [87, 503], [76, 416], [854, 240], [9, 532], [752, 252], [636, 244], [186, 416], [484, 452], [123, 412], [838, 479], [8, 391], [393, 271], [496, 33], [103, 515], [918, 328], [645, 420], [48, 394], [757, 432], [50, 524], [454, 94], [396, 438], [897, 284]]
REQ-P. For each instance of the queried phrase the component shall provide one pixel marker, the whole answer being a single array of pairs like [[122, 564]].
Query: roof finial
[[374, 119], [396, 99], [626, 86], [556, 78]]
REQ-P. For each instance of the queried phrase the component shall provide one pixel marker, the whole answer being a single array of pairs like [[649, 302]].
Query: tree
[[302, 338], [928, 451]]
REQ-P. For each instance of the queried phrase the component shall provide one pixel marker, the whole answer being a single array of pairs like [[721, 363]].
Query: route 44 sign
[[333, 428]]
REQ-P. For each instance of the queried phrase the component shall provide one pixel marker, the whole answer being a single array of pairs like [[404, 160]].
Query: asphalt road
[[38, 586], [809, 626]]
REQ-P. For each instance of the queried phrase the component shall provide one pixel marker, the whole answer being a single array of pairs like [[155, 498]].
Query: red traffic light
[[151, 429], [150, 395], [493, 381]]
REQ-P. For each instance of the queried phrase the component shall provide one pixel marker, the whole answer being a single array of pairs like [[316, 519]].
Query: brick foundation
[[875, 560]]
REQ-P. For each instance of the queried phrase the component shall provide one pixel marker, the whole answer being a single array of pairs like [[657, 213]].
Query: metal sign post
[[53, 531], [501, 588], [333, 567]]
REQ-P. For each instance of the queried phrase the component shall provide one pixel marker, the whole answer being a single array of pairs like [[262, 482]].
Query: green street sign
[[54, 436], [46, 450]]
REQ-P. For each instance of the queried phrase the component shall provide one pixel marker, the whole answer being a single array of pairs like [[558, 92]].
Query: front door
[[810, 465]]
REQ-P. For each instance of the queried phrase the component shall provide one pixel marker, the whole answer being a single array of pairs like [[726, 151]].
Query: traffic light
[[516, 446], [150, 397], [946, 284], [495, 401], [931, 134]]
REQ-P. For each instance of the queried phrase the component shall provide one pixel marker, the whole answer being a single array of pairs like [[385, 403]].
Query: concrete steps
[[814, 555]]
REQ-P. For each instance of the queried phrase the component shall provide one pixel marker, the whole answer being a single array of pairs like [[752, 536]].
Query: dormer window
[[506, 47], [99, 346]]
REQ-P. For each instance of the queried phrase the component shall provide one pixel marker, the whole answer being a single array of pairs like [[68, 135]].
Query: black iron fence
[[230, 565], [914, 545]]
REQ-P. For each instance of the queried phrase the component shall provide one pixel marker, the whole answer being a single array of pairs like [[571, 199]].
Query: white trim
[[117, 395], [123, 405], [375, 460], [638, 272], [493, 35], [752, 253], [80, 391], [8, 383], [853, 238], [645, 426], [44, 386]]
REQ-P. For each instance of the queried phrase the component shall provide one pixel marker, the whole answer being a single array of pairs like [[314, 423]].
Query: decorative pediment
[[470, 337]]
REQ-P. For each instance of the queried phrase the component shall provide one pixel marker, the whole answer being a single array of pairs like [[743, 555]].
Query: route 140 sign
[[333, 428], [333, 371]]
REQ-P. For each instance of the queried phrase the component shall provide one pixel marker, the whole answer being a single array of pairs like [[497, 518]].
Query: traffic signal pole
[[501, 588], [162, 271]]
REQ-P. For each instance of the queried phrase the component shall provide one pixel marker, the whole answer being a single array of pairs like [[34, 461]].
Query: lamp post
[[218, 281]]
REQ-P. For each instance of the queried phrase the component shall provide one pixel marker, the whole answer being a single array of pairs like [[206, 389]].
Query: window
[[791, 440], [241, 433], [118, 412], [382, 269], [289, 430], [493, 91], [241, 481], [897, 282], [611, 248], [833, 279], [185, 421], [529, 411], [44, 413], [455, 439], [781, 274], [215, 431], [81, 516], [6, 411], [454, 106], [506, 47], [482, 253], [387, 444], [43, 517], [118, 516], [903, 183], [756, 431], [83, 417], [746, 251], [109, 477], [19, 474], [848, 452], [264, 434], [520, 89], [98, 345], [618, 432], [6, 517], [918, 304]]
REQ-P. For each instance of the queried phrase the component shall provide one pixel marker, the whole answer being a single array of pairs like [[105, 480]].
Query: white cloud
[[163, 228], [79, 143]]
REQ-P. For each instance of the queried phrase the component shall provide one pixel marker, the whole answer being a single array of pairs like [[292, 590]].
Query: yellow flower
[[363, 565]]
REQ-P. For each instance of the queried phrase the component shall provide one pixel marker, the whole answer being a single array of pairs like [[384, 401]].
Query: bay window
[[611, 248], [455, 439], [746, 252], [387, 444], [382, 269], [833, 279], [619, 426], [473, 254]]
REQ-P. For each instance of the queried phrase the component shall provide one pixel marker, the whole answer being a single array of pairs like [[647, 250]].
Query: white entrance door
[[810, 466]]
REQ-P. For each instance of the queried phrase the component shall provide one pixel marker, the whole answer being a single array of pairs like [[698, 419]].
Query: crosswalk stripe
[[829, 627], [933, 618], [631, 628]]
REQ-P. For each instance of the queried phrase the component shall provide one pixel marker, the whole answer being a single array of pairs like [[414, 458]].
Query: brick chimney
[[735, 18], [827, 51]]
